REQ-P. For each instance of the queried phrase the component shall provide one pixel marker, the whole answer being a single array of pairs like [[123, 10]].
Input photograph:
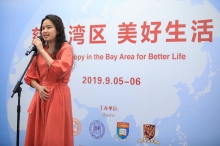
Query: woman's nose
[[45, 30]]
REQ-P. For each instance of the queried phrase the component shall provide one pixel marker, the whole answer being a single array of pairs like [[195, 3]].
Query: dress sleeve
[[64, 62], [32, 73]]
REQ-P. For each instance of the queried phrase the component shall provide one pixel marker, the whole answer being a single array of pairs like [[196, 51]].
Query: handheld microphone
[[33, 47]]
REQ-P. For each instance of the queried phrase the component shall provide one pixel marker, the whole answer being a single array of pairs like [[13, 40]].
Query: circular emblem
[[76, 127], [97, 129]]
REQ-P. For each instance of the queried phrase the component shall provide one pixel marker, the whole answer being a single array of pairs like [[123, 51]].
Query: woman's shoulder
[[66, 45]]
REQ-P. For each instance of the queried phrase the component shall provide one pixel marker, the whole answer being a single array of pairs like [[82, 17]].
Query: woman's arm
[[37, 42]]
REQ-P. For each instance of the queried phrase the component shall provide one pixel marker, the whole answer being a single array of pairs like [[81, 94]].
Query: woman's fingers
[[42, 97], [44, 94]]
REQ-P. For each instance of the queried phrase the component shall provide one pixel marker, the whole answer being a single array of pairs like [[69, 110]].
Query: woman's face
[[49, 31]]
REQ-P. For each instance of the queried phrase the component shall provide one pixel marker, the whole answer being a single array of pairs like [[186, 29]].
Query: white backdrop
[[139, 62]]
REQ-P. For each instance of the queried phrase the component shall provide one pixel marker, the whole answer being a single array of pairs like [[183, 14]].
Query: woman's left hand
[[37, 42]]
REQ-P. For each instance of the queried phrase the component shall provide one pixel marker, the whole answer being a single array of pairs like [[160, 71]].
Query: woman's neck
[[51, 47]]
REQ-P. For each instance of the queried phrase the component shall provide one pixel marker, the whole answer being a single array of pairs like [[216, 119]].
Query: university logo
[[97, 129], [149, 134], [122, 131], [76, 127]]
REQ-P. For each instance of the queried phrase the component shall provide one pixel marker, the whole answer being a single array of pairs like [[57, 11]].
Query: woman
[[50, 112]]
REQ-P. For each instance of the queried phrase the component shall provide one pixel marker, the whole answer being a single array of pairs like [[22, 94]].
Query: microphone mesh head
[[41, 38]]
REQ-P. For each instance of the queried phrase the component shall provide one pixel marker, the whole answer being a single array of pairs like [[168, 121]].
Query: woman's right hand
[[43, 92]]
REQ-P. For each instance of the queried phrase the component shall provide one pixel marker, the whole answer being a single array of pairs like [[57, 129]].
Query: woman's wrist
[[41, 50]]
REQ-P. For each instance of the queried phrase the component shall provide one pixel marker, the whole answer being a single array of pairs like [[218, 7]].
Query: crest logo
[[149, 134], [122, 131], [76, 127], [149, 131], [97, 129]]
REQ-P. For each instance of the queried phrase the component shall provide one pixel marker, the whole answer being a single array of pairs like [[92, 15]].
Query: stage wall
[[146, 72]]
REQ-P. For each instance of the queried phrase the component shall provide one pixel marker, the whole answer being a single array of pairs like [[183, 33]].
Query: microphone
[[33, 47]]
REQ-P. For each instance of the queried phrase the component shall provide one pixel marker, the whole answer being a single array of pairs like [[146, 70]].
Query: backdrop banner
[[146, 72]]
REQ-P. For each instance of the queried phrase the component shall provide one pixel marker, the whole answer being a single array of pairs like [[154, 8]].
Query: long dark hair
[[60, 37]]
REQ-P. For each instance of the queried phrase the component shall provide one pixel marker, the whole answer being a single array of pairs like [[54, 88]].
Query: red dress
[[50, 122]]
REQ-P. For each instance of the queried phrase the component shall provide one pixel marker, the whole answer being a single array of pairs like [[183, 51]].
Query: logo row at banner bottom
[[97, 131]]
